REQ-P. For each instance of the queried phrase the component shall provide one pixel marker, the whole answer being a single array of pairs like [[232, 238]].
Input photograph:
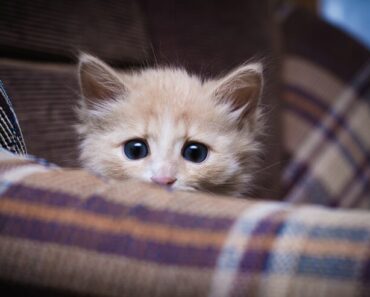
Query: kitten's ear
[[98, 81], [241, 89]]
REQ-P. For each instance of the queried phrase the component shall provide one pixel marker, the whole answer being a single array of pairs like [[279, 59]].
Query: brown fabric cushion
[[43, 97], [211, 37], [57, 30], [311, 38], [44, 94]]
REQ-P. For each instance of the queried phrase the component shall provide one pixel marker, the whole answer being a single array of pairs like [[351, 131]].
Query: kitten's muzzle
[[164, 180]]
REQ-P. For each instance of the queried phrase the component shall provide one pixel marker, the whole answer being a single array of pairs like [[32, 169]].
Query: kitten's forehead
[[167, 85], [170, 126], [173, 97], [166, 76]]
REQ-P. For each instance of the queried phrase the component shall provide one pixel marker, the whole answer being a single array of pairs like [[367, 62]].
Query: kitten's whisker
[[205, 191], [154, 54], [268, 167]]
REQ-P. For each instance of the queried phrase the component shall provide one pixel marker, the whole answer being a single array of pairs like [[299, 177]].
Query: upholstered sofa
[[66, 232]]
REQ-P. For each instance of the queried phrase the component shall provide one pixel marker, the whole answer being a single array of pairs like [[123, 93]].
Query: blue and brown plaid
[[71, 231], [327, 136], [326, 115]]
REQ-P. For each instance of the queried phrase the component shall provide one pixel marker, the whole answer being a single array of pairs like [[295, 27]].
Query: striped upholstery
[[42, 30], [44, 96], [68, 231], [36, 33]]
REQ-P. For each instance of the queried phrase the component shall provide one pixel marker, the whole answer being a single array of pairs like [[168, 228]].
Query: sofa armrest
[[64, 230]]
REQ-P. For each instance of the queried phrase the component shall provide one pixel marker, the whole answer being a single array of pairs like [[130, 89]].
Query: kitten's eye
[[194, 152], [136, 149]]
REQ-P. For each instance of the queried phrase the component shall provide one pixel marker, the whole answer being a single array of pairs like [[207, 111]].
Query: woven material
[[326, 115], [68, 230], [44, 97], [58, 30], [11, 137]]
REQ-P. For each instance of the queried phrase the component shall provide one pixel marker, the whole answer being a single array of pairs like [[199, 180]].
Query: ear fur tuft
[[98, 81], [241, 89]]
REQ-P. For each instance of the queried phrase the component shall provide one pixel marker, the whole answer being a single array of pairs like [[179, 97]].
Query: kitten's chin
[[184, 188]]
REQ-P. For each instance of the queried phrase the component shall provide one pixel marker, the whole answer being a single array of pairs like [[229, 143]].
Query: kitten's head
[[165, 126]]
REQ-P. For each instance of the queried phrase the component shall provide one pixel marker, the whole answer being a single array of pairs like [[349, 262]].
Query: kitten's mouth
[[176, 187]]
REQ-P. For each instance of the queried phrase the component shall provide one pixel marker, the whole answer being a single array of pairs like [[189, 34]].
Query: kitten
[[165, 126]]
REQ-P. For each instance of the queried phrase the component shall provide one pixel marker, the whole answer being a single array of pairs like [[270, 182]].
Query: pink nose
[[164, 180]]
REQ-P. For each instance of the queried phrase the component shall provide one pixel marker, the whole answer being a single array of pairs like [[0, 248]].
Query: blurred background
[[40, 40], [352, 16]]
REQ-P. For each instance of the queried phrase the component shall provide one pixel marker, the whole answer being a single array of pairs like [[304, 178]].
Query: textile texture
[[10, 133], [38, 44], [66, 232], [326, 115], [44, 97], [69, 231], [57, 31]]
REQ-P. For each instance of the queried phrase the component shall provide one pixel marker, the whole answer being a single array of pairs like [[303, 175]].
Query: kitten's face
[[166, 127]]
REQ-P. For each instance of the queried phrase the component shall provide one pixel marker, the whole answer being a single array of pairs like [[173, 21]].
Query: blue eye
[[136, 149], [195, 152]]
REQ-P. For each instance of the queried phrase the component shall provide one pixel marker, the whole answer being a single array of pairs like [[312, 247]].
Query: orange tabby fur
[[167, 107]]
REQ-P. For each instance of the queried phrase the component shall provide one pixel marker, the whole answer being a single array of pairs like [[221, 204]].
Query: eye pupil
[[195, 152], [136, 149]]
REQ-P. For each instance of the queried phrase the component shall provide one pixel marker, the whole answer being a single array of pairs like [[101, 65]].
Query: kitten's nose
[[164, 180]]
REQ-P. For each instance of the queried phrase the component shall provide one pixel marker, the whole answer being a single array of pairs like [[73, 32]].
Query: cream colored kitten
[[166, 126]]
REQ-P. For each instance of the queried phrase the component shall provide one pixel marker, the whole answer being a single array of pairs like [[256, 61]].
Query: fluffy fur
[[167, 107]]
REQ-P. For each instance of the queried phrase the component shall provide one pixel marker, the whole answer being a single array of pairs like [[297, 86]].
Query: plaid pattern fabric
[[10, 133], [70, 231], [326, 126], [326, 116]]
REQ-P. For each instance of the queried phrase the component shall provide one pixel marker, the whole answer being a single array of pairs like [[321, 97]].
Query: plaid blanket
[[68, 231], [326, 115]]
